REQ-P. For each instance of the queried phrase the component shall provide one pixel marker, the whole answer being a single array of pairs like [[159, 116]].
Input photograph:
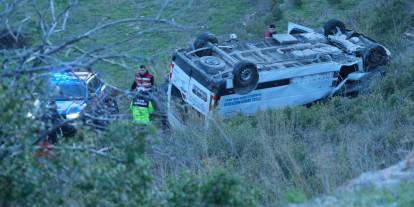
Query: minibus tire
[[202, 41], [245, 77]]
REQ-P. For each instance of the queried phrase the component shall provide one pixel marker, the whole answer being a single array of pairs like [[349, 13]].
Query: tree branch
[[163, 7], [111, 24]]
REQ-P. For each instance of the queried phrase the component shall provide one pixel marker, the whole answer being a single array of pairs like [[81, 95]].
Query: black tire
[[245, 77], [374, 55], [211, 64], [331, 27], [202, 41]]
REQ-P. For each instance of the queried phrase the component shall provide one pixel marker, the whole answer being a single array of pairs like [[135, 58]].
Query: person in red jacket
[[143, 79], [271, 30]]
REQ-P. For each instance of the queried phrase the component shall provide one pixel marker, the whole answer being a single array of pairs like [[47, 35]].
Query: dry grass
[[312, 150], [302, 152]]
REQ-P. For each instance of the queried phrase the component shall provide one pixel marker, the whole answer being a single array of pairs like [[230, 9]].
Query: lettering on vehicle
[[312, 78], [265, 85], [199, 93], [243, 99]]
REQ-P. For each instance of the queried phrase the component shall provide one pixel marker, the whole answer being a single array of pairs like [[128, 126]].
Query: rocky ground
[[388, 187]]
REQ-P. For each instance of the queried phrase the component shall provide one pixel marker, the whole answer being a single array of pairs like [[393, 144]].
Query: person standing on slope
[[141, 108], [271, 30], [143, 79]]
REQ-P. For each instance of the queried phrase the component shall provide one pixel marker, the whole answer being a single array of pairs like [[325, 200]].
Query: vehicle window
[[94, 85], [67, 91]]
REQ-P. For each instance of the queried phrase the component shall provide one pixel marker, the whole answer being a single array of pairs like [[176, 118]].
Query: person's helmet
[[233, 36]]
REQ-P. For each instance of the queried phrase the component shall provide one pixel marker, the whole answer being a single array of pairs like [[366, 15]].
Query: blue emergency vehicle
[[72, 91]]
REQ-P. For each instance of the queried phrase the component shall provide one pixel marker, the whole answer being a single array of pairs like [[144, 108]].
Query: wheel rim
[[246, 75], [212, 61]]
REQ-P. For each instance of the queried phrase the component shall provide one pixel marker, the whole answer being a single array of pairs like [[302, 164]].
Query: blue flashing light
[[64, 78]]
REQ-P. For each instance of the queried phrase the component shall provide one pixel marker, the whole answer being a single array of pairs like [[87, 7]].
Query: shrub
[[386, 20], [297, 3], [277, 13], [334, 2], [216, 189], [294, 196]]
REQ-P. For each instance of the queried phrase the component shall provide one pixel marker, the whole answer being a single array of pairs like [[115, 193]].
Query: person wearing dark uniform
[[52, 118], [143, 79]]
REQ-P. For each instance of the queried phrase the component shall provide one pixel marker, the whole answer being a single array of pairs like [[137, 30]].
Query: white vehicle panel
[[300, 91], [199, 97], [180, 79], [292, 26], [266, 76]]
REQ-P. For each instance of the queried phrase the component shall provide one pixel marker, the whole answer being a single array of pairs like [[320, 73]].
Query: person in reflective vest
[[141, 108], [143, 79]]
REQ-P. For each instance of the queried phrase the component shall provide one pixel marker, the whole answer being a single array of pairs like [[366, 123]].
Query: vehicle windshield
[[68, 91]]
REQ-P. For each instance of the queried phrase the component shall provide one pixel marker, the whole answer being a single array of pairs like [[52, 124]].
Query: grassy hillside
[[293, 154], [247, 18], [155, 48]]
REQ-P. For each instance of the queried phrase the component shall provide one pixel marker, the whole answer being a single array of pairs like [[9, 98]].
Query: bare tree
[[49, 53]]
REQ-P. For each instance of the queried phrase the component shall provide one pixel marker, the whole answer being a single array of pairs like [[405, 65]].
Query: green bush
[[334, 2], [386, 21], [294, 196], [215, 189], [277, 13], [297, 3]]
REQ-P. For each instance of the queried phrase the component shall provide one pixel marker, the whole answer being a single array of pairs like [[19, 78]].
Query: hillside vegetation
[[270, 159]]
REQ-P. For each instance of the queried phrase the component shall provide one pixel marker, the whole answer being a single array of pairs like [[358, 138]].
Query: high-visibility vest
[[141, 109], [144, 80]]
